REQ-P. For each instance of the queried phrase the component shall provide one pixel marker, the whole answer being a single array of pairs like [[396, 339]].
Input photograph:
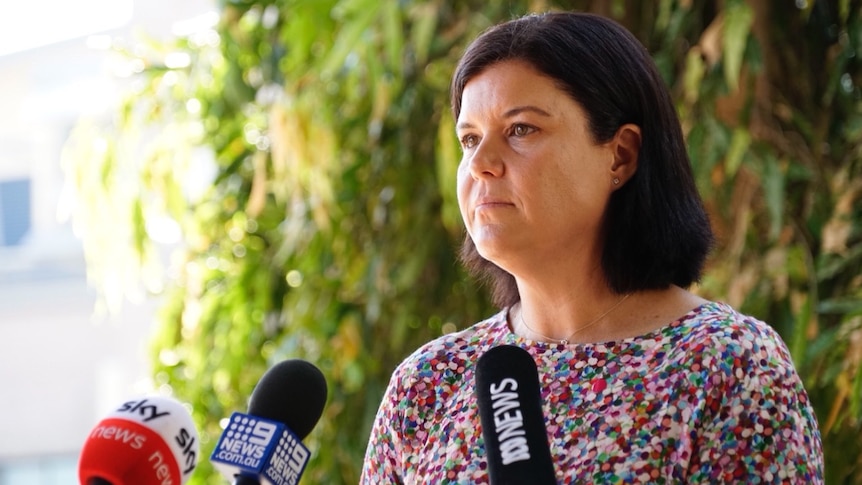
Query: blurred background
[[63, 362], [192, 191]]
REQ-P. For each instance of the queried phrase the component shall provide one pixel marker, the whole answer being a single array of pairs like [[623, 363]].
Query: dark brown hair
[[656, 231]]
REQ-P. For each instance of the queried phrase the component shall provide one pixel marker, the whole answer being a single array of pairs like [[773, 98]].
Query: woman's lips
[[490, 204]]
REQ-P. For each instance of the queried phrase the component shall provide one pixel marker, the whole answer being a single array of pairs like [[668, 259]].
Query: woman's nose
[[486, 160]]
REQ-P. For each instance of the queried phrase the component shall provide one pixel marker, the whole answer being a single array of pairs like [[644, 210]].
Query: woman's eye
[[522, 130], [469, 141]]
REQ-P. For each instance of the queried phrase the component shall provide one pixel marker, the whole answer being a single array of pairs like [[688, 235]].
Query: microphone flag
[[260, 448]]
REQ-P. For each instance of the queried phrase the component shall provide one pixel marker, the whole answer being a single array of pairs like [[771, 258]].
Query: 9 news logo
[[262, 448], [245, 441], [288, 461]]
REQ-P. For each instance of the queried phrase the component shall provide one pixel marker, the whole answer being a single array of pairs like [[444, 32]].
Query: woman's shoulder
[[719, 335], [721, 323]]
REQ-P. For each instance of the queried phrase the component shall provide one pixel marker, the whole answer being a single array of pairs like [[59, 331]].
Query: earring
[[616, 180]]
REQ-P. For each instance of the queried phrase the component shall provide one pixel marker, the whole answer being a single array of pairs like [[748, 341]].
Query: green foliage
[[305, 154], [767, 99]]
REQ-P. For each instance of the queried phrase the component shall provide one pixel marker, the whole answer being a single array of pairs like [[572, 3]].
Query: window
[[14, 211], [53, 470]]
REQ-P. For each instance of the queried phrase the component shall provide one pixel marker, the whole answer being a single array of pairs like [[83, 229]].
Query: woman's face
[[532, 184]]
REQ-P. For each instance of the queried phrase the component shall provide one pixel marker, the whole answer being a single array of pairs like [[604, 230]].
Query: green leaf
[[737, 26], [847, 306], [448, 157], [424, 17], [350, 37], [856, 394], [695, 69], [801, 322], [393, 34], [740, 141], [774, 192]]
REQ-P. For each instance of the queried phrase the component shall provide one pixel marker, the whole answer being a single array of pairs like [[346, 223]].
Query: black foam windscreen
[[292, 392], [513, 423]]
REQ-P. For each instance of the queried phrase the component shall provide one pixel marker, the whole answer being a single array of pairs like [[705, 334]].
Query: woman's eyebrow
[[463, 125], [530, 108]]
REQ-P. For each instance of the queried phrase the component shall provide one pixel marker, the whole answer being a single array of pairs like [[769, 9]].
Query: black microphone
[[513, 424], [264, 447]]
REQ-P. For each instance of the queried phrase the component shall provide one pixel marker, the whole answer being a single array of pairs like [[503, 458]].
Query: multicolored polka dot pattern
[[711, 398]]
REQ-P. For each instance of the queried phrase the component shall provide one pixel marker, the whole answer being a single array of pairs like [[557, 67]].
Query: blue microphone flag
[[260, 448]]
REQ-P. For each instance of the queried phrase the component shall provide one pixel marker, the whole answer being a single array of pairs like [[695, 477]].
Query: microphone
[[513, 424], [264, 447], [146, 440]]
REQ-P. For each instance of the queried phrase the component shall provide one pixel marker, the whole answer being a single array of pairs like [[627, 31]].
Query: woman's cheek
[[462, 193]]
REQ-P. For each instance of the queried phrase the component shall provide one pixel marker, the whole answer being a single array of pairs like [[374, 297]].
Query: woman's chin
[[494, 250]]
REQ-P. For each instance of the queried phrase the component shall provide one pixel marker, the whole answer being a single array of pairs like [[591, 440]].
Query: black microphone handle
[[246, 480], [518, 451], [98, 481]]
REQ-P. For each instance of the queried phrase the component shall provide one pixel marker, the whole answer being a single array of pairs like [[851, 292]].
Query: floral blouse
[[713, 397]]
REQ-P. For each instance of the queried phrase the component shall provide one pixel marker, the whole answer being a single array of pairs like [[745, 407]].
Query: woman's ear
[[626, 147]]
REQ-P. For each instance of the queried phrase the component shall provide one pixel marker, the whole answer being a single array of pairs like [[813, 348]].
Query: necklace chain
[[565, 341]]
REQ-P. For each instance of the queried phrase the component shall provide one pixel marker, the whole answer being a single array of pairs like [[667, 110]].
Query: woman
[[581, 210]]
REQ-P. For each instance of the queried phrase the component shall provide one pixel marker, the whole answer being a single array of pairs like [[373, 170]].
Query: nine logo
[[256, 446]]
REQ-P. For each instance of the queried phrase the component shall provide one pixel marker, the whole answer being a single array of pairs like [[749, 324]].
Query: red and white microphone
[[147, 440]]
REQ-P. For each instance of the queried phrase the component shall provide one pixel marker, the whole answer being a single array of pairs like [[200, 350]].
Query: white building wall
[[61, 368]]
